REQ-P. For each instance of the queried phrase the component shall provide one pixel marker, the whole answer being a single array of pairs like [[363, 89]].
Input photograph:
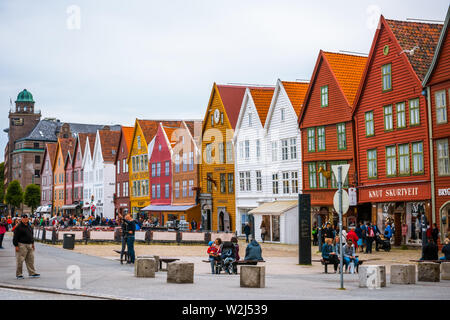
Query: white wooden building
[[270, 177]]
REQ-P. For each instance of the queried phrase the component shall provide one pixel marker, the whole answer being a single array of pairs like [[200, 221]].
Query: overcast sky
[[119, 60]]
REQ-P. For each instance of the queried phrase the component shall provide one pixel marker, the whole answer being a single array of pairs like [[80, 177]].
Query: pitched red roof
[[67, 145], [82, 138], [425, 36], [232, 100], [50, 149], [296, 92], [109, 141], [150, 127], [127, 134], [262, 97], [348, 70]]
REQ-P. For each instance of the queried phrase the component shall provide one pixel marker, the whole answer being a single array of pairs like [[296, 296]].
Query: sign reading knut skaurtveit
[[395, 193]]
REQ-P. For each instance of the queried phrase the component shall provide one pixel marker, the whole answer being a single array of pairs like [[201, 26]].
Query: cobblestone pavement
[[285, 279]]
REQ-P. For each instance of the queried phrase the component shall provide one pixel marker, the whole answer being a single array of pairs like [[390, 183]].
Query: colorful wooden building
[[88, 174], [122, 195], [217, 198], [47, 178], [327, 131], [138, 160], [63, 147], [391, 120], [69, 208], [437, 83]]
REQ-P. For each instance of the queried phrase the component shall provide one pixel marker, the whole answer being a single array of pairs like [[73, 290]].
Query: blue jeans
[[130, 245], [212, 260], [347, 262]]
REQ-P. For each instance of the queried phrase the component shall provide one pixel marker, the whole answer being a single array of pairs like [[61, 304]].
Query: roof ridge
[[415, 22]]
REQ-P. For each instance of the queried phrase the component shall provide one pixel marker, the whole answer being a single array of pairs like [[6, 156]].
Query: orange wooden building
[[327, 130]]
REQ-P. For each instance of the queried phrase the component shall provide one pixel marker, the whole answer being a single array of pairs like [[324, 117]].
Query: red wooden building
[[391, 123], [326, 127], [437, 83], [122, 196]]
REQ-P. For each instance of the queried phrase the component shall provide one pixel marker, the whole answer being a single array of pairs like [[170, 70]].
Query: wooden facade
[[327, 130], [122, 192], [217, 183], [391, 122], [437, 83]]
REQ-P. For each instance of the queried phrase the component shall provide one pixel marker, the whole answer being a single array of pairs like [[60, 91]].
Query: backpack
[[370, 232]]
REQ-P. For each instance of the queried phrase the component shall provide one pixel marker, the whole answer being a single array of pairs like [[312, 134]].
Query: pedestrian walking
[[370, 236], [247, 231], [3, 226], [263, 231], [24, 243], [193, 225], [435, 233]]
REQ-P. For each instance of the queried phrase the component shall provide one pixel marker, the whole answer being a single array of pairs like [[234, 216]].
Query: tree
[[32, 196], [14, 194]]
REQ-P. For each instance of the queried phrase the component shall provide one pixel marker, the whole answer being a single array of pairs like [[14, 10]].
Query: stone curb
[[62, 292]]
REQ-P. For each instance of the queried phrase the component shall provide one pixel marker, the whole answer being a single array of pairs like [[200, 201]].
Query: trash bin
[[69, 241]]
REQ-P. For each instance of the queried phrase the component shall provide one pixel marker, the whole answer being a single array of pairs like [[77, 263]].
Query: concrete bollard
[[429, 272], [253, 276], [144, 268], [403, 274], [445, 270], [180, 272], [152, 257], [372, 276]]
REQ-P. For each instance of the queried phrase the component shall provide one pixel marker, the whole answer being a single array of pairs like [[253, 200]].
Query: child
[[214, 254]]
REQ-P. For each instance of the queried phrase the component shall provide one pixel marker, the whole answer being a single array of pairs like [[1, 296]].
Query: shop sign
[[416, 192], [444, 192], [352, 198]]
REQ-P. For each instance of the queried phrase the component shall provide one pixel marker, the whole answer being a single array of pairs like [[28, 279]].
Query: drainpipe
[[430, 134]]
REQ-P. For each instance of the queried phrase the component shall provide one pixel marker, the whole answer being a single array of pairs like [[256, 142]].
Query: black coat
[[23, 233], [430, 252]]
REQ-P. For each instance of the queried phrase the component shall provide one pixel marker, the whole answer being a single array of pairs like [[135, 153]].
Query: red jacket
[[212, 250], [352, 236]]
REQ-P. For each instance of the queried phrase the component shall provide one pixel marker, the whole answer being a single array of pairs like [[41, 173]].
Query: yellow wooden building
[[138, 162], [217, 194]]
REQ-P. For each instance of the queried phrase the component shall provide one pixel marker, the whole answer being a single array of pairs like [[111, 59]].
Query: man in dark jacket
[[430, 251], [247, 231], [329, 232], [129, 235], [253, 251], [24, 243]]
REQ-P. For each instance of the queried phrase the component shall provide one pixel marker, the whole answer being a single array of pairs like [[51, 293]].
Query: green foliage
[[32, 197], [14, 194]]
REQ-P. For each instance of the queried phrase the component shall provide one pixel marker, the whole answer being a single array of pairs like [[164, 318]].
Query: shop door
[[266, 222], [275, 228]]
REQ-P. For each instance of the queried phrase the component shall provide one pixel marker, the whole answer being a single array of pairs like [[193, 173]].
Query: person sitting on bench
[[349, 256], [329, 254], [430, 251], [446, 250], [253, 251]]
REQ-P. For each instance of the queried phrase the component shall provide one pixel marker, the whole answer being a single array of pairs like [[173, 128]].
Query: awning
[[69, 206], [168, 208], [276, 207], [45, 209]]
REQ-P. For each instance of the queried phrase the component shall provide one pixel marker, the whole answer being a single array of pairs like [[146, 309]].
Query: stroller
[[383, 243], [228, 256]]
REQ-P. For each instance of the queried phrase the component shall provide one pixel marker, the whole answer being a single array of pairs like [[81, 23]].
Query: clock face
[[216, 115]]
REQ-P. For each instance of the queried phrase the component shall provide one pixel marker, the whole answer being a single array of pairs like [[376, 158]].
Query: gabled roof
[[231, 97], [412, 34], [50, 153], [348, 70], [82, 138], [438, 48], [150, 127], [127, 134], [64, 144], [296, 92], [169, 134], [109, 141], [262, 98]]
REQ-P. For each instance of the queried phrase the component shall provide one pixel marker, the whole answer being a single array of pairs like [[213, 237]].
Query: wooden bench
[[166, 261], [123, 257], [435, 261], [325, 263]]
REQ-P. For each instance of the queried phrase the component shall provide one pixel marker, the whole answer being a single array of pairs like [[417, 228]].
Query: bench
[[166, 261], [123, 257], [325, 263], [435, 261], [240, 262]]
